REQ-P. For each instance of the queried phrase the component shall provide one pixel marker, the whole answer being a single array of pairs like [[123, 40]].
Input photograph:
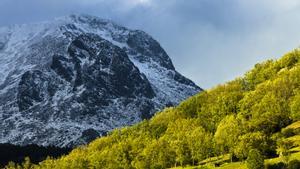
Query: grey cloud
[[210, 41]]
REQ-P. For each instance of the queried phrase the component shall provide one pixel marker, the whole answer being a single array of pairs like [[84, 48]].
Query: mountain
[[68, 81], [254, 118]]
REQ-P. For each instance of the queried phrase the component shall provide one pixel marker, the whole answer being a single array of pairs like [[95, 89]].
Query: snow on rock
[[70, 80]]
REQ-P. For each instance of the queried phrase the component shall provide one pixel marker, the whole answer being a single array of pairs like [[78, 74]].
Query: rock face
[[68, 81]]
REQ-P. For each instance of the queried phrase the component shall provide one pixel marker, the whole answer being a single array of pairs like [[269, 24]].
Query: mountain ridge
[[68, 81]]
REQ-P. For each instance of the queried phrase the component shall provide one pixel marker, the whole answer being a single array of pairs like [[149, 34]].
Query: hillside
[[248, 115]]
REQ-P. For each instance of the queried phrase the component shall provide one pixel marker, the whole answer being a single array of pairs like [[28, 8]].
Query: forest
[[249, 122]]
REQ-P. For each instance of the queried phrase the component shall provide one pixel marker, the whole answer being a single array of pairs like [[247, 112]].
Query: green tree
[[295, 107], [227, 134], [259, 74], [266, 109], [158, 154], [219, 102], [248, 141], [177, 134], [182, 151], [289, 60], [200, 143], [255, 160]]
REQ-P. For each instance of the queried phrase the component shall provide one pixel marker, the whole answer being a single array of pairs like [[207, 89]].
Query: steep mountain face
[[68, 81]]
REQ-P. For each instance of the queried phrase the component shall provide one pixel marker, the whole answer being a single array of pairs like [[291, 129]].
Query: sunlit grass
[[235, 165], [294, 125], [216, 160]]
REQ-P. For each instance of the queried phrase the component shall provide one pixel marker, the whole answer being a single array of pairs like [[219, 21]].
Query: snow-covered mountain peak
[[67, 81], [85, 19]]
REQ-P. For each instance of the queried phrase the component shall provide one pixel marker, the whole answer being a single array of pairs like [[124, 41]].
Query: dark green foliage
[[289, 132], [275, 166], [254, 140], [294, 164], [255, 160]]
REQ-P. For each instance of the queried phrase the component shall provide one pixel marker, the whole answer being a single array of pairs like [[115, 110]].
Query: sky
[[209, 41]]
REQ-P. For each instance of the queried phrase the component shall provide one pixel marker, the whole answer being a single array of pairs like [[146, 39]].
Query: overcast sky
[[209, 41]]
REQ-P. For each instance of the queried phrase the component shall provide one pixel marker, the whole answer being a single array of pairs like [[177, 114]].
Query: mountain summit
[[70, 80]]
